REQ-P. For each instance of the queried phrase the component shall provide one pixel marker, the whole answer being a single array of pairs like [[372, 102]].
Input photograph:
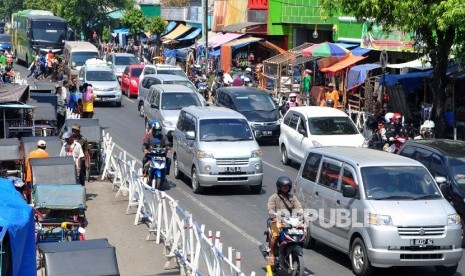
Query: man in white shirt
[[72, 148], [64, 91], [227, 79]]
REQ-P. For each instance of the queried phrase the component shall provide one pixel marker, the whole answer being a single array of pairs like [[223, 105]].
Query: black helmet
[[330, 102], [283, 181], [156, 128]]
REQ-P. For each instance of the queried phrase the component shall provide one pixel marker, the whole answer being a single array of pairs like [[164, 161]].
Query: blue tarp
[[358, 74], [121, 31], [170, 27], [359, 51], [215, 53], [192, 35], [409, 82], [18, 219]]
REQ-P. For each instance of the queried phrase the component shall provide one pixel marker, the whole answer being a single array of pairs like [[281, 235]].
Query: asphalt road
[[239, 215]]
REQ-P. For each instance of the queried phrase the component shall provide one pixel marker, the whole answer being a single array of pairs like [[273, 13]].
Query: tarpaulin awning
[[201, 40], [237, 27], [17, 219], [14, 93], [342, 64], [272, 46], [359, 51], [221, 39], [418, 64], [358, 74], [179, 31], [239, 43], [192, 35], [117, 14], [15, 106], [409, 82], [215, 53], [170, 27]]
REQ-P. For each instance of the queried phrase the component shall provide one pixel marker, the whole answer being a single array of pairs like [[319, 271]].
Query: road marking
[[126, 98], [273, 166], [205, 207]]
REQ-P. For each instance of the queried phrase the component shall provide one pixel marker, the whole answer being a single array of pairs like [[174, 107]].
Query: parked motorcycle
[[157, 167], [289, 254]]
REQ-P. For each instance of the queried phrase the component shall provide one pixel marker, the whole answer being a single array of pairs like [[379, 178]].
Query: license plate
[[421, 242], [106, 99], [232, 169], [267, 133]]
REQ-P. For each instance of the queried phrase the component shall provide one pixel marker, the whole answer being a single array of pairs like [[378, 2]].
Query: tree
[[157, 26], [438, 25], [9, 7], [106, 34], [135, 21], [81, 15]]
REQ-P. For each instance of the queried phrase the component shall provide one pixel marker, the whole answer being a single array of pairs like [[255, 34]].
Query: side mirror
[[154, 105], [190, 135], [348, 191], [73, 64], [81, 78], [440, 180], [302, 131]]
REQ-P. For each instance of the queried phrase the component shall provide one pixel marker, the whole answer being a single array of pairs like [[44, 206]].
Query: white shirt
[[74, 150], [227, 78], [64, 94]]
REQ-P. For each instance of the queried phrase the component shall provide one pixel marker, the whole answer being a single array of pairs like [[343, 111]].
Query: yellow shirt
[[88, 106]]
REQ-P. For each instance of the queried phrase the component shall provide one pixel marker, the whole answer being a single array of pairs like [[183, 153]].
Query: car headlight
[[453, 219], [133, 82], [316, 143], [204, 154], [375, 219], [257, 154], [167, 123]]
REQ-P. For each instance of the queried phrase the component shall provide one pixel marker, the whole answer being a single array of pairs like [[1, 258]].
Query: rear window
[[100, 76], [227, 130], [136, 72], [125, 60], [176, 101], [169, 72], [332, 126]]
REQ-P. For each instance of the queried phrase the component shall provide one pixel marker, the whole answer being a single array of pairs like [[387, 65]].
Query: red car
[[130, 80]]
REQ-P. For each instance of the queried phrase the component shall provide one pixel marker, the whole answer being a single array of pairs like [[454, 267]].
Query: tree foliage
[[157, 26], [135, 20], [174, 3], [9, 7], [438, 26], [81, 15], [106, 34]]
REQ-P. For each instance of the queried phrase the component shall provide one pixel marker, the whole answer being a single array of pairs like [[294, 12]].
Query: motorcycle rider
[[280, 203], [248, 74], [427, 130], [291, 102], [396, 128], [155, 139]]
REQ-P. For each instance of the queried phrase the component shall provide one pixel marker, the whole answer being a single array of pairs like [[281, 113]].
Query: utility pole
[[205, 30]]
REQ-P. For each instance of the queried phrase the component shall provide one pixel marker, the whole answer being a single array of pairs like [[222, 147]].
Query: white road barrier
[[185, 242]]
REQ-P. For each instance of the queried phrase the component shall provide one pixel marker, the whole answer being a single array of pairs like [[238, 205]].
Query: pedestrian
[[64, 91], [238, 80], [2, 59], [88, 98], [74, 97], [61, 107], [306, 84], [85, 161], [32, 68], [72, 148], [39, 152], [9, 57]]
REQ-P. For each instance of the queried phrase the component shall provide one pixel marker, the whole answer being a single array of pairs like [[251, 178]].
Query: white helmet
[[388, 116], [428, 124]]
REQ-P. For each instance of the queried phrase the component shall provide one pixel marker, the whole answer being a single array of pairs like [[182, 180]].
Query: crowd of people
[[43, 66]]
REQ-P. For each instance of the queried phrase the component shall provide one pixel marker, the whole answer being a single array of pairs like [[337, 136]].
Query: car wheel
[[359, 258], [141, 110], [196, 188], [309, 242], [118, 104], [177, 172], [284, 157], [446, 270], [463, 234], [256, 189]]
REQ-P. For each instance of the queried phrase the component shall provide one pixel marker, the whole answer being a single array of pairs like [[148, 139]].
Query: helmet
[[330, 102], [396, 116], [283, 181], [292, 95], [154, 123], [388, 117], [428, 124], [156, 128]]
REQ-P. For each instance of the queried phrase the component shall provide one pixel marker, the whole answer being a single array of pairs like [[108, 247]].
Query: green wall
[[150, 10]]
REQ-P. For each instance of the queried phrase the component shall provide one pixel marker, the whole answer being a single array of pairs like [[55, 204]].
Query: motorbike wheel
[[158, 183], [297, 265]]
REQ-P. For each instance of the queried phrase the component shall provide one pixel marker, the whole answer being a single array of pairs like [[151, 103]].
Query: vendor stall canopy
[[180, 30]]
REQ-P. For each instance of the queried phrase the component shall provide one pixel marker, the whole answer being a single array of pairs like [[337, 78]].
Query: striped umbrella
[[326, 49]]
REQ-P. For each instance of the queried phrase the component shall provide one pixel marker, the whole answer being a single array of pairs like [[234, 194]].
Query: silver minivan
[[215, 146], [381, 209]]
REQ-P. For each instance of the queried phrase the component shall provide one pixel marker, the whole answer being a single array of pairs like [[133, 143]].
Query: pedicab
[[92, 131], [45, 119], [53, 143], [58, 199], [17, 245], [89, 257]]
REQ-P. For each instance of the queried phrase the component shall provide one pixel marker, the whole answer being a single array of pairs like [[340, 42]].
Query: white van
[[381, 209], [76, 53]]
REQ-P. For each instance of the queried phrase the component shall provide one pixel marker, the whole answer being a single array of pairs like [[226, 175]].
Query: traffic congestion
[[316, 164]]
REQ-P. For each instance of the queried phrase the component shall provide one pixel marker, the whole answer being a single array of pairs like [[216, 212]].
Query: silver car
[[119, 61], [215, 146], [164, 102], [153, 79], [381, 209]]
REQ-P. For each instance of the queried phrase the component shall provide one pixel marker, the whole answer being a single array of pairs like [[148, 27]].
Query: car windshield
[[125, 60], [136, 72], [399, 183], [254, 102], [176, 101], [100, 76], [332, 126], [5, 38], [457, 168], [79, 58], [225, 130], [171, 72], [49, 31], [182, 82]]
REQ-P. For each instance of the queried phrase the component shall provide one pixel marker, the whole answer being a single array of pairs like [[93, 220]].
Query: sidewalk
[[107, 219]]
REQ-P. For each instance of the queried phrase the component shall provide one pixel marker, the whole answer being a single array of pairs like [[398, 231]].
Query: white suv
[[102, 77], [162, 69]]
